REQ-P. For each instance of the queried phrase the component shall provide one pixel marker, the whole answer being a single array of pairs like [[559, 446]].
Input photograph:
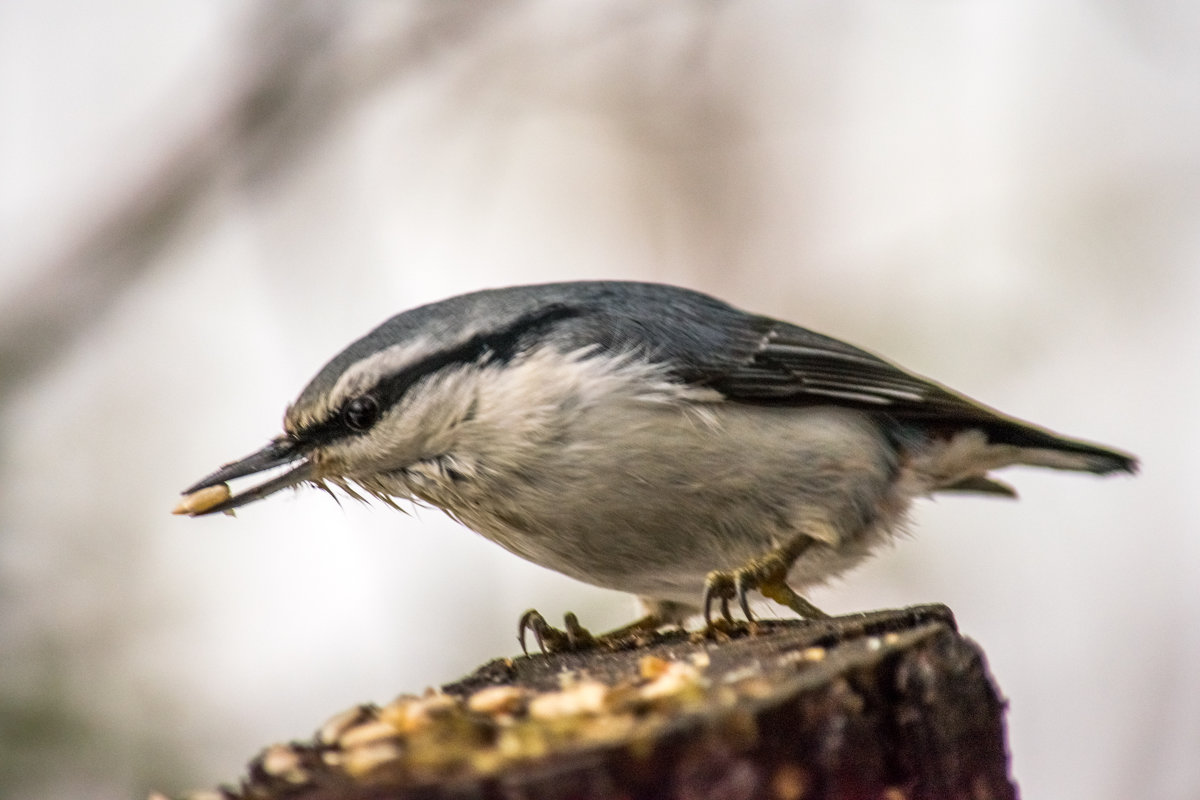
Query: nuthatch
[[644, 438]]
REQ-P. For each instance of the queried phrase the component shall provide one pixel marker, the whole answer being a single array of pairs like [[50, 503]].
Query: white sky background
[[201, 203]]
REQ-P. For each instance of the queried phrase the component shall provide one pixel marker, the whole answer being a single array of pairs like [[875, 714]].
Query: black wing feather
[[796, 366]]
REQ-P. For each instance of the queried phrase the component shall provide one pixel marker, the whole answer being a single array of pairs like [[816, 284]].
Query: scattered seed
[[651, 667], [814, 654], [585, 697], [368, 733], [361, 760], [675, 679], [497, 700], [408, 714], [338, 724], [281, 761]]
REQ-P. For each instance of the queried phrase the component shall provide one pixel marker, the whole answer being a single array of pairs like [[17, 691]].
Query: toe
[[718, 586], [578, 637], [745, 582], [549, 638]]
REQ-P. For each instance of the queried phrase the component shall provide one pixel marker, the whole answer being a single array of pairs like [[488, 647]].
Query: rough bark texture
[[891, 705]]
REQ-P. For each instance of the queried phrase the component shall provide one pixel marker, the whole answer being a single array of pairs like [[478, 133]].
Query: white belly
[[648, 498]]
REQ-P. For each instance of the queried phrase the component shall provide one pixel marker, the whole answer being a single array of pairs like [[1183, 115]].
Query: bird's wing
[[795, 366], [754, 359]]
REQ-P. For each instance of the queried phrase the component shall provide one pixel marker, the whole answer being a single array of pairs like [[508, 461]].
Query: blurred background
[[201, 202]]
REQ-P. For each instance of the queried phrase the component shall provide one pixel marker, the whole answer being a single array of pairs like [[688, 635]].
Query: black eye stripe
[[500, 347]]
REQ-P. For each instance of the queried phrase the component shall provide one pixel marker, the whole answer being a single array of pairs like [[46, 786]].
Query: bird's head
[[406, 394]]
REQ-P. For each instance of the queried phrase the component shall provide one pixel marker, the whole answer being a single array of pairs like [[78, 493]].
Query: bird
[[642, 437]]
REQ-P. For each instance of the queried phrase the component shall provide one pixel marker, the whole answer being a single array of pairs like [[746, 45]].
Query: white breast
[[628, 481]]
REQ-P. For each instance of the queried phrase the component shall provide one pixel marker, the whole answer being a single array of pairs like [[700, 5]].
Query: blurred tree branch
[[300, 76]]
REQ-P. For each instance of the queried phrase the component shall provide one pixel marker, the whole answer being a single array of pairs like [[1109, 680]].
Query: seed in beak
[[202, 500]]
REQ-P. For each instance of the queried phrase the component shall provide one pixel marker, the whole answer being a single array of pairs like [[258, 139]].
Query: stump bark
[[888, 704]]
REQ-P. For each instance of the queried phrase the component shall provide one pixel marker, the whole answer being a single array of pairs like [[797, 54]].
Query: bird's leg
[[768, 575], [575, 637], [785, 595]]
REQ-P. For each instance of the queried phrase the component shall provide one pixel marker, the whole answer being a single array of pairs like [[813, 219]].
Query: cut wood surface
[[888, 704]]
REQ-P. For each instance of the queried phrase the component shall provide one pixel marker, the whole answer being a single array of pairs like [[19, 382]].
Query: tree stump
[[888, 704]]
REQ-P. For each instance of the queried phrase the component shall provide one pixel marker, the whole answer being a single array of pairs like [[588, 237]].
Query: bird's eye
[[361, 412]]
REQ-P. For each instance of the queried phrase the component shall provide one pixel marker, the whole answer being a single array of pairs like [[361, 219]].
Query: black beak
[[278, 453]]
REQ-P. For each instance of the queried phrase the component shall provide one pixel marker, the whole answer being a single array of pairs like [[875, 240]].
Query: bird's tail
[[960, 459], [1041, 448]]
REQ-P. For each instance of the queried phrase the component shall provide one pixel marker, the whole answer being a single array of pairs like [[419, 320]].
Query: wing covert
[[796, 366]]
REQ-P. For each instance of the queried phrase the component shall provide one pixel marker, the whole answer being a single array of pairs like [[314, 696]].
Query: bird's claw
[[719, 586], [550, 639], [768, 575]]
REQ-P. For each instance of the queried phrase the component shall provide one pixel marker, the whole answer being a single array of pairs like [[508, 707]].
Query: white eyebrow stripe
[[361, 376], [366, 373]]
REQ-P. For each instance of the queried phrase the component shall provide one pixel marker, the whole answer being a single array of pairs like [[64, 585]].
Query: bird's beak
[[212, 495]]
